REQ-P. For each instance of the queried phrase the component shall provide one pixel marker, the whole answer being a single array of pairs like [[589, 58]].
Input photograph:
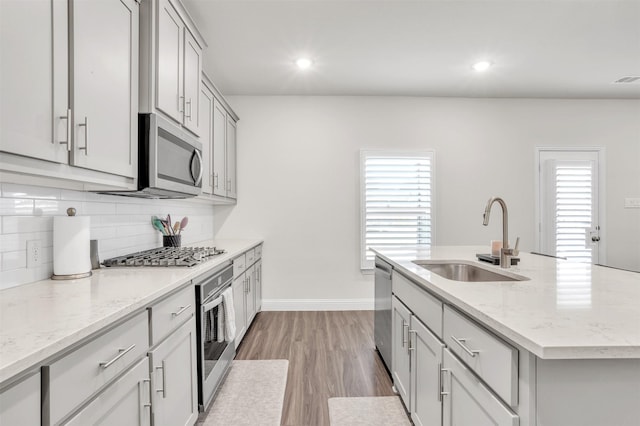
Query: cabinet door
[[175, 393], [250, 294], [258, 285], [468, 401], [105, 85], [34, 79], [170, 66], [401, 358], [239, 306], [206, 138], [192, 78], [124, 402], [20, 404], [219, 149], [232, 190], [426, 362]]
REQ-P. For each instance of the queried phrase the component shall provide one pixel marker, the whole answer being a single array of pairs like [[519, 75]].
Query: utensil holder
[[171, 240]]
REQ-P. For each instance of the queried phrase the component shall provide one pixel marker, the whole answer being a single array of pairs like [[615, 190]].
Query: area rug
[[252, 394], [367, 411]]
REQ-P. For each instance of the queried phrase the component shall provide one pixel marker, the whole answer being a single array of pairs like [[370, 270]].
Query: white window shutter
[[397, 202]]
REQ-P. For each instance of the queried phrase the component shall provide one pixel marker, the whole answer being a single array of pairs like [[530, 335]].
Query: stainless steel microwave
[[169, 160]]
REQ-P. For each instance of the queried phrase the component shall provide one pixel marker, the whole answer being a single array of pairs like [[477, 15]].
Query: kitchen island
[[561, 346]]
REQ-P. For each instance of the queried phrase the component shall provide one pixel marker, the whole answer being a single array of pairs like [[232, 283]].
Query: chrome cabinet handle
[[412, 347], [188, 115], [181, 104], [141, 392], [461, 342], [182, 309], [122, 352], [441, 391], [215, 180], [164, 381], [68, 118], [86, 136], [404, 324]]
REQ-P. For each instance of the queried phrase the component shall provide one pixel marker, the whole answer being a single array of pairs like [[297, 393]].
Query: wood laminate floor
[[331, 354]]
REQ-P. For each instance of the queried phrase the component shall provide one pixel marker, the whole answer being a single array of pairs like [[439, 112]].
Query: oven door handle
[[210, 305]]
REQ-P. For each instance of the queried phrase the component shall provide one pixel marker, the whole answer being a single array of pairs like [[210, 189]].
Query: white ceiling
[[552, 48]]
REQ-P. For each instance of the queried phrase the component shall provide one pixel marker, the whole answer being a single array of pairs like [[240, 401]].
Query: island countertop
[[40, 319], [565, 310]]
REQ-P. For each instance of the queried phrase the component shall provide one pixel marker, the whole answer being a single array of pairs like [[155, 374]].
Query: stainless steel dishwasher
[[382, 316]]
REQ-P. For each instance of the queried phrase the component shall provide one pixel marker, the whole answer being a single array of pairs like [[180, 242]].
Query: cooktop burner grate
[[166, 256]]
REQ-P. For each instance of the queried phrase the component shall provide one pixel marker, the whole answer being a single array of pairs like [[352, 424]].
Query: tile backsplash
[[120, 224]]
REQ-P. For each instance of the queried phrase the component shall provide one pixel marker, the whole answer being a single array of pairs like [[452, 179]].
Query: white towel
[[229, 314], [220, 324]]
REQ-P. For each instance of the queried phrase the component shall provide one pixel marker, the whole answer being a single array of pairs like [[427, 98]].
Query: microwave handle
[[198, 179]]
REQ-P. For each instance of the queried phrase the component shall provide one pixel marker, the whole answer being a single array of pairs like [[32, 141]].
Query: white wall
[[299, 177], [121, 225]]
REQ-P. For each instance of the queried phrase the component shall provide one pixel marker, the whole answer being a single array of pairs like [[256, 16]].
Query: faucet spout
[[505, 252]]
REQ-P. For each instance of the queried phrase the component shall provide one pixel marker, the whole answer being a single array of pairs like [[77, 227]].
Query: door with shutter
[[569, 204]]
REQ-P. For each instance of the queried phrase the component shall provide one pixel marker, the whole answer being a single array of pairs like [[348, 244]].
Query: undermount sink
[[460, 270]]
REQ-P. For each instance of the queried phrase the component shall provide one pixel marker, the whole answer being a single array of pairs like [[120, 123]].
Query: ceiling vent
[[629, 79]]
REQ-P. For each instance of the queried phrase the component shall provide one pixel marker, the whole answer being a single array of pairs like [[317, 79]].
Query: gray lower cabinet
[[124, 402], [239, 288], [401, 360], [416, 364], [173, 371], [466, 400], [426, 362], [20, 403]]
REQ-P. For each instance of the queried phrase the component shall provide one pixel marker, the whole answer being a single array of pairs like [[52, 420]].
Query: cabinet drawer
[[78, 375], [422, 304], [239, 265], [20, 404], [169, 313], [125, 402], [258, 251], [491, 358], [251, 257]]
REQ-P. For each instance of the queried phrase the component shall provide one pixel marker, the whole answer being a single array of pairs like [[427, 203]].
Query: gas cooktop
[[166, 256]]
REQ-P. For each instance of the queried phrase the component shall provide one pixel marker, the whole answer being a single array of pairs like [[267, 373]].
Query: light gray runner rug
[[367, 411], [252, 394]]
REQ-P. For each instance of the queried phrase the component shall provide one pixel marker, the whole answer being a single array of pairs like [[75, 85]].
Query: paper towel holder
[[71, 212]]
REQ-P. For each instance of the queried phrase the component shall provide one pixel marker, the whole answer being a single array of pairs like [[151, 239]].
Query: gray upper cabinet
[[217, 123], [105, 85], [171, 63], [70, 90], [219, 149], [34, 98], [231, 148]]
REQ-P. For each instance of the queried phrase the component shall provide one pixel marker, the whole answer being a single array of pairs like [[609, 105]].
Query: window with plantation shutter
[[397, 201]]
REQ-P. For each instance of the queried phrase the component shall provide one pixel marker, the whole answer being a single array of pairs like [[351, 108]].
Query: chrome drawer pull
[[182, 309], [122, 353], [164, 381], [441, 391], [461, 342]]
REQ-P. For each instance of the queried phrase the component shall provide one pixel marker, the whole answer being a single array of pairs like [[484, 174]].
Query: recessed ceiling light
[[482, 66], [304, 63]]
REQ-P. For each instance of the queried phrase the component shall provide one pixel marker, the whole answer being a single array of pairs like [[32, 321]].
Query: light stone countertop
[[40, 319], [565, 311]]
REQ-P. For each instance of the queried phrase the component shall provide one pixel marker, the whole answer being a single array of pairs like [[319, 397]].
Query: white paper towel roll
[[71, 245]]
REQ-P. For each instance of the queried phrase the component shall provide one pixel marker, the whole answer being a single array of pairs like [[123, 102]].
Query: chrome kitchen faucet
[[505, 252]]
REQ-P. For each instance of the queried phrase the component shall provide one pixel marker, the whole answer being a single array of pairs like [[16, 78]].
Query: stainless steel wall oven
[[215, 350]]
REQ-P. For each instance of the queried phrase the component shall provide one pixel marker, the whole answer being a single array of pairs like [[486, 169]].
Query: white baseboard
[[317, 304]]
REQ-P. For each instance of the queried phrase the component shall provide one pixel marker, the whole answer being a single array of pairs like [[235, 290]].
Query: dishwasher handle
[[383, 271]]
